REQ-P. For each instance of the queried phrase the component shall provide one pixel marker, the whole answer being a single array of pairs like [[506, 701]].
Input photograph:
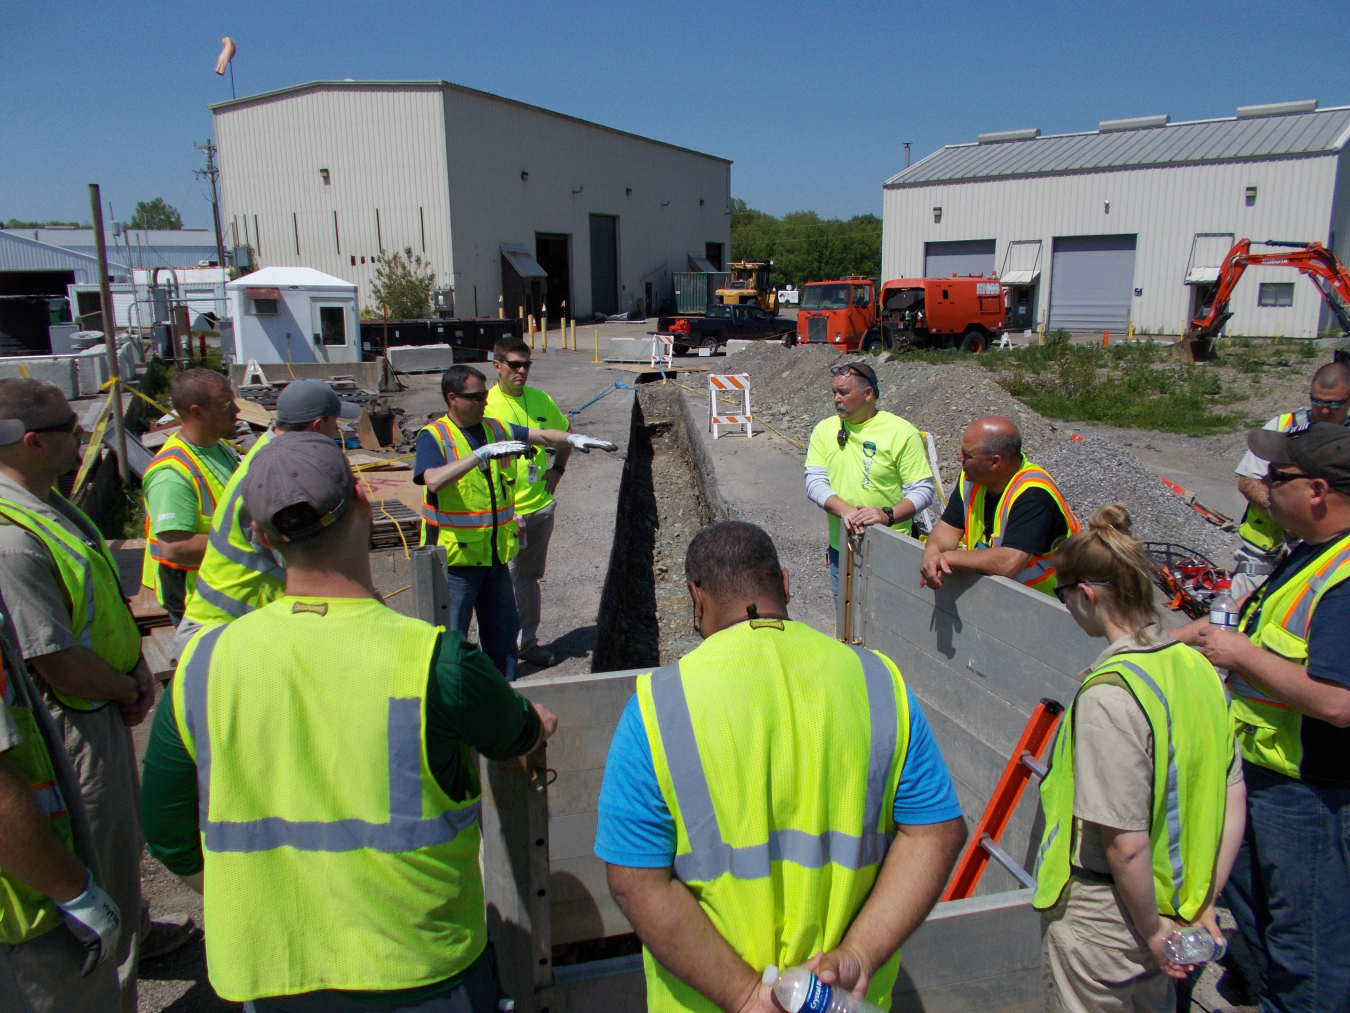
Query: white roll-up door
[[964, 257], [1092, 283]]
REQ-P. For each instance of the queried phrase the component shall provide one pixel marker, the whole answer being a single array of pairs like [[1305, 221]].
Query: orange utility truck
[[910, 313]]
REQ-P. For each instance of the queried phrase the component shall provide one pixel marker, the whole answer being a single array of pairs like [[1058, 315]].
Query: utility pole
[[109, 337], [212, 173]]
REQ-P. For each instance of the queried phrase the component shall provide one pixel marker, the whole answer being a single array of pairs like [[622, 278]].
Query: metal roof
[[289, 277], [19, 253], [267, 96], [1200, 142], [524, 263]]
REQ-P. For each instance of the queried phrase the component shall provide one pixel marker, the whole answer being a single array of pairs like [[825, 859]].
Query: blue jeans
[[487, 591], [833, 556], [1290, 893]]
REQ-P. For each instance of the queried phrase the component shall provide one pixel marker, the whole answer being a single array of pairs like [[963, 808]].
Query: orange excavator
[[1313, 259]]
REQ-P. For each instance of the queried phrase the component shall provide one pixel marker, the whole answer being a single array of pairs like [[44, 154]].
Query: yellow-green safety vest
[[1038, 573], [237, 574], [1269, 732], [332, 858], [1183, 699], [1258, 528], [180, 456], [464, 515], [99, 616], [24, 912], [783, 817], [531, 497]]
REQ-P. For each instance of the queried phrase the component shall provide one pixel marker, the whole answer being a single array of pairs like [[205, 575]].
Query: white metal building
[[294, 314], [1129, 223], [503, 198]]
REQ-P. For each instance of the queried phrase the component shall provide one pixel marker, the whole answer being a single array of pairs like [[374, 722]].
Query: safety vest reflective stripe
[[1038, 571], [406, 829], [57, 539], [710, 856], [475, 520], [219, 540], [1299, 617], [1173, 791], [49, 800], [222, 601]]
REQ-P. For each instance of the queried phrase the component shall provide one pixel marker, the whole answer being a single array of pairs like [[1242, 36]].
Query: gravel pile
[[1094, 472]]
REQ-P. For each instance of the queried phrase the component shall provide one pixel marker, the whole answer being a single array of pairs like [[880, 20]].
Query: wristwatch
[[890, 516]]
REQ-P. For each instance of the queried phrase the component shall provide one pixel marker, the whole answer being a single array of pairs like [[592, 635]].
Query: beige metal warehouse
[[503, 198], [1130, 222]]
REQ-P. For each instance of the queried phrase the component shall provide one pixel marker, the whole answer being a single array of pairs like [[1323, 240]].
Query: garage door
[[1092, 283], [966, 257]]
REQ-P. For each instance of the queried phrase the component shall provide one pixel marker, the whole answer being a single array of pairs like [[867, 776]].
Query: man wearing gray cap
[[312, 773], [238, 574], [1289, 664]]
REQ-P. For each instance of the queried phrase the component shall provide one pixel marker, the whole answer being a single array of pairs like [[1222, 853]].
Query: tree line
[[805, 247]]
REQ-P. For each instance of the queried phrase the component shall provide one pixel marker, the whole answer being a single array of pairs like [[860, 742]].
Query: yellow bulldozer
[[748, 285]]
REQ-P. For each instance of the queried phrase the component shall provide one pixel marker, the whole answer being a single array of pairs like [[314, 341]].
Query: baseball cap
[[306, 400], [303, 468], [11, 431], [1321, 450]]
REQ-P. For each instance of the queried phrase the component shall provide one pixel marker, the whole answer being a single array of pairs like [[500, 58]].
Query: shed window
[[264, 307], [1276, 293], [332, 325]]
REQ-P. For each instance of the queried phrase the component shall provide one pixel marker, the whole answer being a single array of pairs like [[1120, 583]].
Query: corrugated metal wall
[[490, 143], [19, 254], [1164, 207], [384, 149]]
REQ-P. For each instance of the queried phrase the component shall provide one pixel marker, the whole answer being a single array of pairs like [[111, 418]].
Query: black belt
[[1104, 878]]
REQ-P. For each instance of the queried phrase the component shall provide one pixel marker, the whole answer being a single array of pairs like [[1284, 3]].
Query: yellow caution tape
[[91, 452]]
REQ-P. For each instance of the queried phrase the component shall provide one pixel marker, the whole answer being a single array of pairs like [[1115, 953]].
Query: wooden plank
[[253, 413], [161, 669]]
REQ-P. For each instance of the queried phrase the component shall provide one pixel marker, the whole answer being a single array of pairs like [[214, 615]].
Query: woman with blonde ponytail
[[1144, 804]]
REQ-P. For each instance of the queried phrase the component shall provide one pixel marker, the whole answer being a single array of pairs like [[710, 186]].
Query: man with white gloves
[[467, 465]]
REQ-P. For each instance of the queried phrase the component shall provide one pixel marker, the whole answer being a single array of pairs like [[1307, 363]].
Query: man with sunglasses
[[512, 402], [1263, 540], [183, 484], [865, 466], [467, 464], [79, 639], [1290, 680]]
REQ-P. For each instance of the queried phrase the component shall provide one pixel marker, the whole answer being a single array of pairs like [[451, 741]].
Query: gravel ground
[[1095, 471]]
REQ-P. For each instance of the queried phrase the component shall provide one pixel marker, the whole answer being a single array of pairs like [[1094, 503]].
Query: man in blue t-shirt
[[788, 691]]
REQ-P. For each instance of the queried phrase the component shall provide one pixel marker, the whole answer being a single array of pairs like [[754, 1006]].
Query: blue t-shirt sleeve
[[429, 455], [1329, 637], [634, 827], [925, 793], [521, 433]]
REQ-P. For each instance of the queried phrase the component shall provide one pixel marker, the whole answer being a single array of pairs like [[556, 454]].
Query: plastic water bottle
[[1193, 945], [1223, 613], [799, 991]]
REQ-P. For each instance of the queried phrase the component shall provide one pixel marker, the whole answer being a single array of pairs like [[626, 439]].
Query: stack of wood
[[391, 517]]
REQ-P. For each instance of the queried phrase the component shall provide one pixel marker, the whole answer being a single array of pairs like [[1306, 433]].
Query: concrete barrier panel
[[370, 375], [421, 358], [630, 349], [61, 371], [739, 345]]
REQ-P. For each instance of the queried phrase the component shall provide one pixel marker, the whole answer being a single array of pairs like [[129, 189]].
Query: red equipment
[[1313, 259]]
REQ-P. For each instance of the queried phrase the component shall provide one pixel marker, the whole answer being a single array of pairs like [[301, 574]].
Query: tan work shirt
[[1113, 758]]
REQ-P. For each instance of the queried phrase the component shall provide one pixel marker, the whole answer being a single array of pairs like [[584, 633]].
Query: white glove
[[95, 921], [506, 448], [588, 443]]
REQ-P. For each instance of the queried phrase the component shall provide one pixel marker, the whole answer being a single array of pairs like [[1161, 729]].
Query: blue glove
[[96, 923]]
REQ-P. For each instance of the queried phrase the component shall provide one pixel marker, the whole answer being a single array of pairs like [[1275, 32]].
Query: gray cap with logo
[[306, 400], [301, 470]]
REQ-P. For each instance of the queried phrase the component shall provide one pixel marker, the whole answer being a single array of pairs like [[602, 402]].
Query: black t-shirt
[[1035, 522]]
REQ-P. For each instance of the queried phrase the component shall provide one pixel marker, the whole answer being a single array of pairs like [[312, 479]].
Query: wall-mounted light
[[578, 189], [1106, 207], [1251, 196], [665, 203], [323, 174], [524, 175], [700, 203], [937, 215]]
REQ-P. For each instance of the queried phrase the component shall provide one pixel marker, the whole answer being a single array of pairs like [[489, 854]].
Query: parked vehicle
[[911, 312], [721, 324], [749, 285]]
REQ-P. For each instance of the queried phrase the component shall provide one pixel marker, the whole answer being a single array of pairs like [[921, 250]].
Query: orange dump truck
[[910, 313]]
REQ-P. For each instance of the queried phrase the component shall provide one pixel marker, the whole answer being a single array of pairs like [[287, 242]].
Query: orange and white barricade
[[663, 351], [734, 384]]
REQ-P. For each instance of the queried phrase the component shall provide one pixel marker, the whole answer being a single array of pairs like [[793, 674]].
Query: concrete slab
[[369, 375], [61, 371], [420, 358]]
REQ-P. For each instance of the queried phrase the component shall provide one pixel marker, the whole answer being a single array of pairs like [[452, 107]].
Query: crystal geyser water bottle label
[[817, 997]]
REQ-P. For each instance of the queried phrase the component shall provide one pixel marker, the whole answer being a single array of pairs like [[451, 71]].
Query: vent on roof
[[1277, 109], [1133, 123], [999, 136]]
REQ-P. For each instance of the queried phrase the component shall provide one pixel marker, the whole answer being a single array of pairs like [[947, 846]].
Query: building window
[[264, 307], [1276, 293]]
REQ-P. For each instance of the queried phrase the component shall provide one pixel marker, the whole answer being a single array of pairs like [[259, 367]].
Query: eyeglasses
[[514, 364], [1318, 402], [1062, 591], [1275, 477], [480, 396], [68, 425]]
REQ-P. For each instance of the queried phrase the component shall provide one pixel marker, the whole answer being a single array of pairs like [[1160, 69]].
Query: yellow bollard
[[543, 331], [597, 346], [1130, 336], [1040, 334], [501, 308], [529, 322], [574, 335]]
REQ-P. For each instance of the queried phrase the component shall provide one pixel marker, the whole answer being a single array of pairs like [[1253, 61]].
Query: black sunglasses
[[1276, 477], [1317, 402], [516, 363], [479, 396], [68, 425], [1062, 591]]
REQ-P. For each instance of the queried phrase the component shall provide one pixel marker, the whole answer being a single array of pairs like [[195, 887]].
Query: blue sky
[[813, 102]]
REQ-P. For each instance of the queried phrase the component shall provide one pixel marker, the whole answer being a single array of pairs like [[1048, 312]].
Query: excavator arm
[[1313, 259]]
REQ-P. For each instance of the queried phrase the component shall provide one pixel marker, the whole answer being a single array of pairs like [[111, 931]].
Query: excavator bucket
[[1197, 344]]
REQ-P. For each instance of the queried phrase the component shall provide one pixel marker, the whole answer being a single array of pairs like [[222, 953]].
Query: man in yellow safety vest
[[329, 811], [1289, 666], [1009, 512], [1263, 540], [183, 485], [774, 797], [467, 464]]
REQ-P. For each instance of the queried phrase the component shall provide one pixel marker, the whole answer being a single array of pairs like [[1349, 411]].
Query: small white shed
[[294, 314]]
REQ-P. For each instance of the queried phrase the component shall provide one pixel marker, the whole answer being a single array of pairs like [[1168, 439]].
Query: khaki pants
[[527, 569], [43, 976], [1093, 960], [101, 752]]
